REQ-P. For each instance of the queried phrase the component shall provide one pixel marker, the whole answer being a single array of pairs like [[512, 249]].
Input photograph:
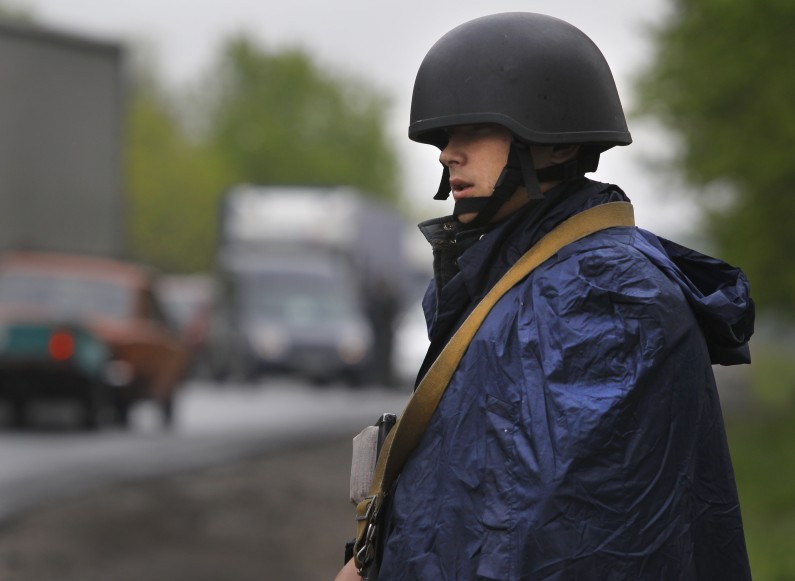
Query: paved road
[[215, 425]]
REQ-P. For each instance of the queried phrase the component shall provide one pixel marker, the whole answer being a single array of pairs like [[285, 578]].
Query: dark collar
[[492, 252]]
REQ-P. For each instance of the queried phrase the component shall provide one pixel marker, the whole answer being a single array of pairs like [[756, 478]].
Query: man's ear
[[563, 153]]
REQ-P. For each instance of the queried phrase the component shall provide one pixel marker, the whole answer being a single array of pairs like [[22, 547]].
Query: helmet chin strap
[[487, 207], [444, 186], [520, 170]]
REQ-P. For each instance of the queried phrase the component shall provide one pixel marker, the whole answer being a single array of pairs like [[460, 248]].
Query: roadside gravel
[[276, 517]]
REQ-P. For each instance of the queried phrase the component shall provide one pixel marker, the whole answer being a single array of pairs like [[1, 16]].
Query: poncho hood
[[717, 292]]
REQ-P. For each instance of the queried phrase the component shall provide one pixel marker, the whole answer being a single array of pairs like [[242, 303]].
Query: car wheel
[[93, 406], [121, 409], [167, 406], [355, 379], [20, 417], [244, 370], [218, 368]]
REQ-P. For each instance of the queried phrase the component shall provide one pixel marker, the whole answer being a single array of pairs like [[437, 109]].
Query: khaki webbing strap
[[406, 433]]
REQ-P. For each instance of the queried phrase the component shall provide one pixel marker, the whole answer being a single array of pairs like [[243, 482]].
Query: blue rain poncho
[[581, 437]]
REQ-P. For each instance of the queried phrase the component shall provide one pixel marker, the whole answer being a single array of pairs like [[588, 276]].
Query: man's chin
[[466, 217]]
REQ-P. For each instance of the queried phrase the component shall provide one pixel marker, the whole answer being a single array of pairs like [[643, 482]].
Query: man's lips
[[460, 188]]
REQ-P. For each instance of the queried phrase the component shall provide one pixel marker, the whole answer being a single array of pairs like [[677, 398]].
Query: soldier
[[580, 436]]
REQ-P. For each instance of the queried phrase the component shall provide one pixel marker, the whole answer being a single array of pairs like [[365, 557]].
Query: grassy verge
[[762, 443]]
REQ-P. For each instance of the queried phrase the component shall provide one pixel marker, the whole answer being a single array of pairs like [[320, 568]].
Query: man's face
[[475, 156]]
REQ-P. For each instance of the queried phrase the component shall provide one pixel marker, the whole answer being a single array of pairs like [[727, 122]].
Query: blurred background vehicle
[[411, 330], [88, 330], [411, 345], [311, 281], [62, 120], [77, 320], [297, 315], [188, 301]]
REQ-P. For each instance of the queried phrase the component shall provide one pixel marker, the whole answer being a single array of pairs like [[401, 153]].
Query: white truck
[[314, 277]]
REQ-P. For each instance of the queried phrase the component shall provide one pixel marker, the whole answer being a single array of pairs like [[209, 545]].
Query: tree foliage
[[173, 184], [12, 12], [723, 81], [281, 118], [271, 119]]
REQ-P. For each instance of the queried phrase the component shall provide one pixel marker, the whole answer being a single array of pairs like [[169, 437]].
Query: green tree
[[173, 184], [722, 80], [12, 12], [280, 118]]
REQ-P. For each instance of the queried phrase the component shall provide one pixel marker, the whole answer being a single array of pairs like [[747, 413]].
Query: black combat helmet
[[538, 76]]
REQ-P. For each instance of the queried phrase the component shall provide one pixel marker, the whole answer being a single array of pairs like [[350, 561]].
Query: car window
[[65, 295]]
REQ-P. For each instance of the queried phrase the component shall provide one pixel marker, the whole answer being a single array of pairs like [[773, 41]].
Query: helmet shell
[[538, 76]]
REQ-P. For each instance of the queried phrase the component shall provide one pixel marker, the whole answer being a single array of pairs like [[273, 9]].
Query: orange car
[[88, 329]]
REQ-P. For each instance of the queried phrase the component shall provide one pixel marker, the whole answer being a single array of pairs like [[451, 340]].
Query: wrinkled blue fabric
[[581, 436]]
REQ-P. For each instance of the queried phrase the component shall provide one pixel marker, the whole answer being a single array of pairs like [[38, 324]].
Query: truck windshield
[[65, 295], [297, 299]]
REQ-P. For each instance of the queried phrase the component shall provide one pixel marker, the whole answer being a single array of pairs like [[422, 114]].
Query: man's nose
[[451, 154]]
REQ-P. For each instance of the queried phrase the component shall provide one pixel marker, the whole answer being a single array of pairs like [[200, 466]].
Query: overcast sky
[[384, 41]]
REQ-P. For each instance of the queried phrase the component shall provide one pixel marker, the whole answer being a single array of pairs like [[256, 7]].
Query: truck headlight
[[354, 343], [270, 342]]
